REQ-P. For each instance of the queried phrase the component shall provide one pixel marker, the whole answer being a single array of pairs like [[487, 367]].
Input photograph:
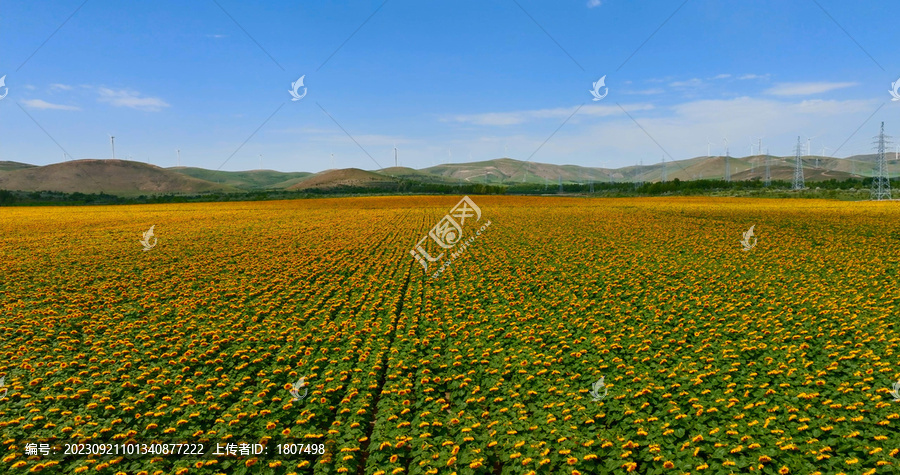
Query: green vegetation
[[849, 189]]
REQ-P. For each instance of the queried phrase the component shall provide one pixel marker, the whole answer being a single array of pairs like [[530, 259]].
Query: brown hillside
[[345, 177], [118, 177]]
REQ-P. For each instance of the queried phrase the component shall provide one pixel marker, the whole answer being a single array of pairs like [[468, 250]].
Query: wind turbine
[[332, 160], [178, 151], [112, 143], [809, 145], [708, 143]]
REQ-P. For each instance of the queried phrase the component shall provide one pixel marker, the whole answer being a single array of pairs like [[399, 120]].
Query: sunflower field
[[714, 359]]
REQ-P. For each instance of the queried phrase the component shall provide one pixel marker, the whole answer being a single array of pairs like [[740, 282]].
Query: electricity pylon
[[881, 184]]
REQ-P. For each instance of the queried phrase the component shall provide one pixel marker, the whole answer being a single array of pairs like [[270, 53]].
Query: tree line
[[407, 187]]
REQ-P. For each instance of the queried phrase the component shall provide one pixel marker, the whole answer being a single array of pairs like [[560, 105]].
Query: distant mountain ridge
[[129, 178]]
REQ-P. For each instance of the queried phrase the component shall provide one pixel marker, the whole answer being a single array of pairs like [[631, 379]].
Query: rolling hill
[[245, 180], [119, 177], [129, 178], [9, 166], [349, 177]]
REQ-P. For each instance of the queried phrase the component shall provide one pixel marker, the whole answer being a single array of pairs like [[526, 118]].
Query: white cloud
[[754, 76], [216, 36], [646, 92], [741, 109], [806, 88], [132, 99], [594, 3], [682, 130], [695, 82], [41, 104], [722, 76], [520, 117], [60, 87]]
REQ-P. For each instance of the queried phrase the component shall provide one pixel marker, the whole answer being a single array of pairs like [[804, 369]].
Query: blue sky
[[444, 81]]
